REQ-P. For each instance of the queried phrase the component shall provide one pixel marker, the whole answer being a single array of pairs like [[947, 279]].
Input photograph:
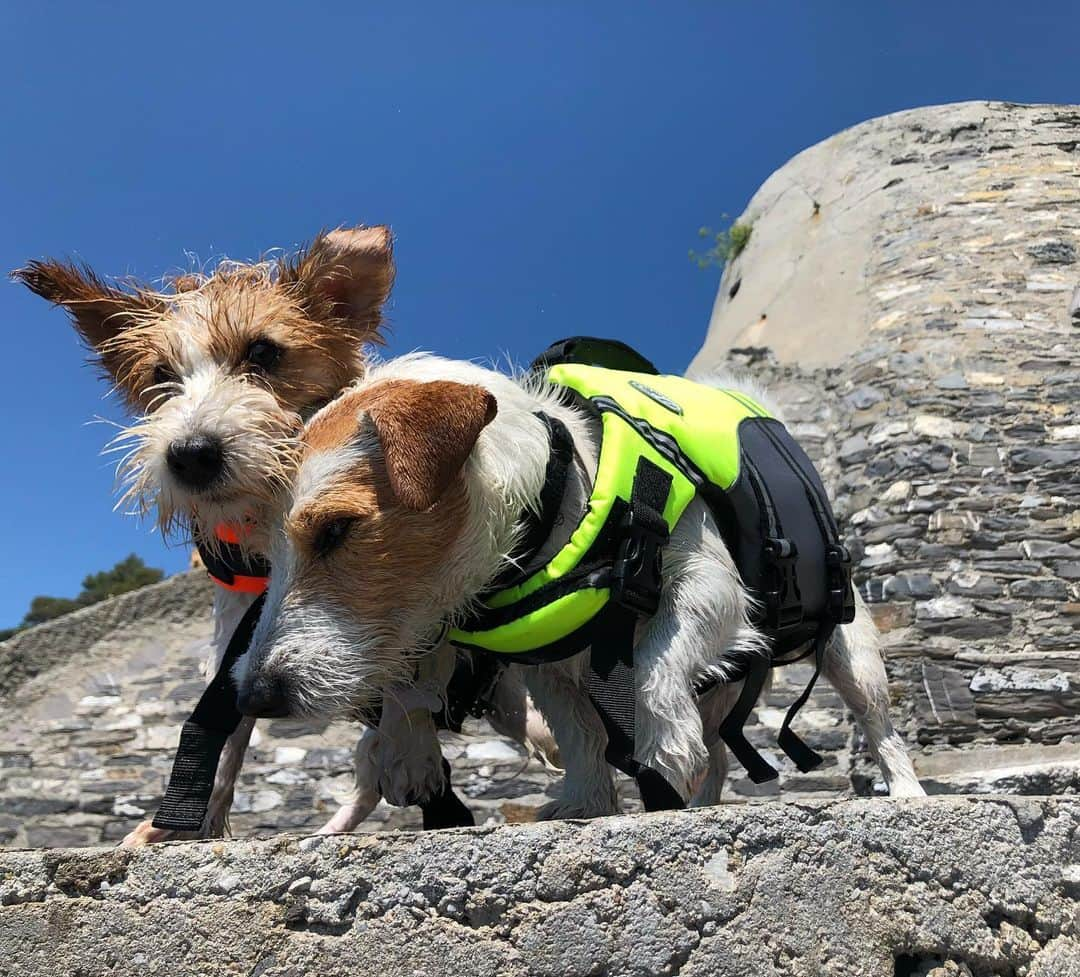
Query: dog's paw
[[413, 776], [906, 787], [146, 834], [569, 809]]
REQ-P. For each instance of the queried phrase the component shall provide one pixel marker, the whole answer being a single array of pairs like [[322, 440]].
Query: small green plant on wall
[[727, 244]]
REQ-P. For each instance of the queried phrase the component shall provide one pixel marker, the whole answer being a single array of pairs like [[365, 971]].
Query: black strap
[[537, 526], [609, 683], [469, 690], [802, 755], [635, 591], [202, 738], [446, 809], [757, 767], [593, 351]]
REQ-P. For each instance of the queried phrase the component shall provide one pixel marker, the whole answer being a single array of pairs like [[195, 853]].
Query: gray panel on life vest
[[770, 457]]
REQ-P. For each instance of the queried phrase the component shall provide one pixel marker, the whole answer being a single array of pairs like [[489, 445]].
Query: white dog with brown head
[[220, 370], [405, 507]]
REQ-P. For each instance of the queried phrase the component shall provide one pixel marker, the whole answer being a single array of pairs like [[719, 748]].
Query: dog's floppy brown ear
[[100, 311], [427, 431], [345, 276]]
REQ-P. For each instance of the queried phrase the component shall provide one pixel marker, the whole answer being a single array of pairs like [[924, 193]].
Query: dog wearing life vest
[[408, 504], [220, 369]]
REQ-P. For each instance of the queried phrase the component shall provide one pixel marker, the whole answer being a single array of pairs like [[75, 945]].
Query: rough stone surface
[[867, 888]]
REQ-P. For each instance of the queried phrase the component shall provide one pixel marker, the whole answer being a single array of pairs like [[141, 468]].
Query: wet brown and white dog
[[220, 371], [404, 507]]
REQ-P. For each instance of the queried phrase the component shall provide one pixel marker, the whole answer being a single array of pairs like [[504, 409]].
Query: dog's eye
[[164, 374], [332, 535], [264, 354]]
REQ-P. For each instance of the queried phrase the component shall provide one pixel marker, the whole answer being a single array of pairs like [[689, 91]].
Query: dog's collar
[[230, 566]]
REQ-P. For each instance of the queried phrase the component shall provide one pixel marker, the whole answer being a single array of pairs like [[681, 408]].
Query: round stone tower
[[910, 289]]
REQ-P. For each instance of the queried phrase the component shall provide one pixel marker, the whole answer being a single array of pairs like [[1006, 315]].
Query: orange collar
[[228, 564]]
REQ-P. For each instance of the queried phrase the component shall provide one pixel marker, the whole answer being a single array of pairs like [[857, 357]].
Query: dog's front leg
[[365, 794], [588, 788], [409, 757], [669, 731], [229, 608]]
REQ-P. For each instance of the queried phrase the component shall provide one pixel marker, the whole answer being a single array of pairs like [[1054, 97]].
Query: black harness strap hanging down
[[805, 758], [635, 590], [203, 736], [758, 769]]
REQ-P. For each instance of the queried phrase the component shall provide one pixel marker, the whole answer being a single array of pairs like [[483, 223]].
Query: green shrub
[[727, 244]]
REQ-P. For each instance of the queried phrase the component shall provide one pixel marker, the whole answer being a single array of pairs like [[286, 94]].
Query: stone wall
[[916, 277], [871, 888]]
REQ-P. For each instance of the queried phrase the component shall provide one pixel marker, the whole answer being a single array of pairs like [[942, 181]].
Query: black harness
[[779, 527]]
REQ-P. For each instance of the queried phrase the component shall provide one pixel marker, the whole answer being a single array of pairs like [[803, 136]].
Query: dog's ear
[[427, 431], [345, 276], [101, 312]]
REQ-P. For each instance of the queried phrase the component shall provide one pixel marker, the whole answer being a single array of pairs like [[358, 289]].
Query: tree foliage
[[131, 573]]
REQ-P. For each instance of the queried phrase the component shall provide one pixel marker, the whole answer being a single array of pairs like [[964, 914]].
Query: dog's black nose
[[264, 698], [196, 462]]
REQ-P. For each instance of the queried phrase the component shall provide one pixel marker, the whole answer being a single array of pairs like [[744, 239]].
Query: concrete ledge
[[38, 649], [973, 885]]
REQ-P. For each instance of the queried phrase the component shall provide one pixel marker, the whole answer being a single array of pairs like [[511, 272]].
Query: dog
[[220, 370], [405, 507]]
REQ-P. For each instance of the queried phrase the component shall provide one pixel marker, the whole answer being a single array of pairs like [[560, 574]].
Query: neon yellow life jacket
[[719, 444]]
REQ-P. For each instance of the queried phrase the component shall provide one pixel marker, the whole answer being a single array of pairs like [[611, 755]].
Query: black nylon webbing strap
[[203, 736], [593, 351], [609, 683], [731, 730], [802, 755], [609, 679]]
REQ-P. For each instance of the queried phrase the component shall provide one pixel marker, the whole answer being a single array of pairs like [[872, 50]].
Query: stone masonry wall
[[945, 411]]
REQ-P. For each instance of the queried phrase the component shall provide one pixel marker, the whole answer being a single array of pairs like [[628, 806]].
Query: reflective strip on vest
[[687, 429]]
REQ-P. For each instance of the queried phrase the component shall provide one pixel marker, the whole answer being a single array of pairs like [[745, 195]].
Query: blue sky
[[544, 166]]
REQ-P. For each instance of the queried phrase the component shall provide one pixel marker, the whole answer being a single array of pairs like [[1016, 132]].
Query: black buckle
[[783, 601], [639, 561], [841, 594]]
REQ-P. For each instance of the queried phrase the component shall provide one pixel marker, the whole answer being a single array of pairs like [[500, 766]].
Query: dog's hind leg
[[365, 795], [512, 713], [702, 614], [588, 788], [670, 736], [854, 667]]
